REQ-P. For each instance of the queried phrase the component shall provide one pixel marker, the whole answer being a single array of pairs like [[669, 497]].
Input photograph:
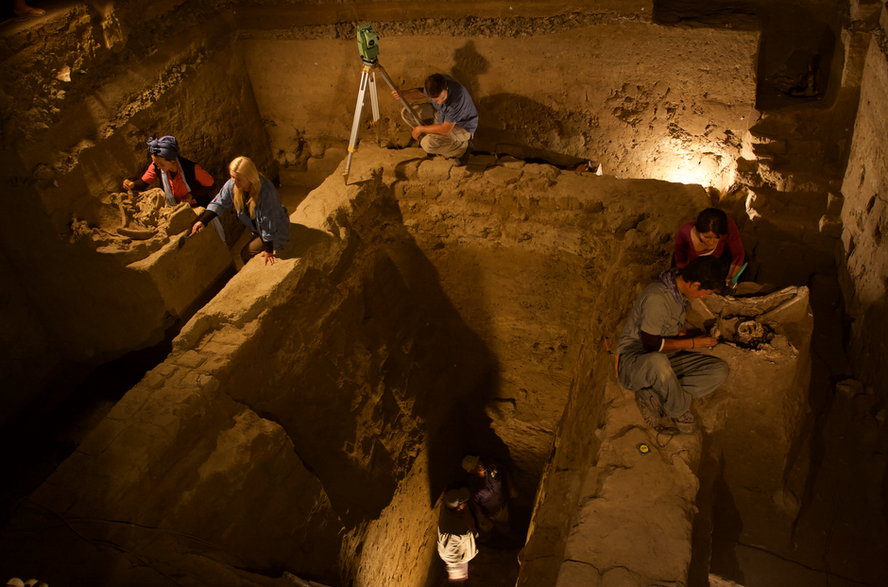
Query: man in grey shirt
[[455, 116], [655, 359]]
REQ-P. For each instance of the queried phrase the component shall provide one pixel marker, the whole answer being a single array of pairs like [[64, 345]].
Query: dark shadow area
[[45, 434], [468, 64], [726, 529], [701, 534], [795, 56], [503, 129], [732, 14], [52, 427], [406, 344]]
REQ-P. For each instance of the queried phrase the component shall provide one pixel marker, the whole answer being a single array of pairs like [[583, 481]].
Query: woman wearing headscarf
[[182, 180], [257, 204]]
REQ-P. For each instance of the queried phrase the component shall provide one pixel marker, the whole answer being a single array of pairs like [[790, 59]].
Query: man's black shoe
[[464, 158]]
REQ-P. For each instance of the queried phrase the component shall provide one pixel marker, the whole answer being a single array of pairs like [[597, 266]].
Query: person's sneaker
[[650, 407], [686, 423]]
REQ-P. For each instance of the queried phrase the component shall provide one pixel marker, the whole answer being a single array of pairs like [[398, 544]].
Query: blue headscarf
[[166, 147], [667, 278]]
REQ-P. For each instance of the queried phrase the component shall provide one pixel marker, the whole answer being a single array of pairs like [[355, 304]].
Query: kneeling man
[[657, 359], [455, 116]]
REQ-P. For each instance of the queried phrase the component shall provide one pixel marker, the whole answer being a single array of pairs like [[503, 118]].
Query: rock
[[182, 218], [792, 310], [850, 388], [437, 169], [502, 175], [316, 149]]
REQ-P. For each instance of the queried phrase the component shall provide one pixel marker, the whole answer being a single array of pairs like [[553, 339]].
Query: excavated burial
[[339, 387]]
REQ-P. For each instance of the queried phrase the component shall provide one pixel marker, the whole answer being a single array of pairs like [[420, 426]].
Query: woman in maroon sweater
[[712, 233]]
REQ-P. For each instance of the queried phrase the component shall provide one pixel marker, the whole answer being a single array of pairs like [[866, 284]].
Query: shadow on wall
[[795, 57], [727, 528], [498, 131], [370, 367], [468, 64], [503, 128]]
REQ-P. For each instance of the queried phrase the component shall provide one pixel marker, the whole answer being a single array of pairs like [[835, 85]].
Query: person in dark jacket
[[490, 489]]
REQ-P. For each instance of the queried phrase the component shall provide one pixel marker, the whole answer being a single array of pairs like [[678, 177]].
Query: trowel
[[184, 238]]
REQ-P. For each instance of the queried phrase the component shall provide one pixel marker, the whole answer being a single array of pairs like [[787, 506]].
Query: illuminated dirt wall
[[642, 99], [865, 222]]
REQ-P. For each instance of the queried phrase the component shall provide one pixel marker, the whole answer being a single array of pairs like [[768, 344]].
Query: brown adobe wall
[[865, 223], [85, 90], [642, 99]]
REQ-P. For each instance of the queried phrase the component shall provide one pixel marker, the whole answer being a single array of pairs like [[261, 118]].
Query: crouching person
[[657, 360], [257, 204]]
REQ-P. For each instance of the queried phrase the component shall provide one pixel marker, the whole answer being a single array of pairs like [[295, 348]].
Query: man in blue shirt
[[456, 117]]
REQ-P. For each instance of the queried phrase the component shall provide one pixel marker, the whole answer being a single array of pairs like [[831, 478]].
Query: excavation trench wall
[[329, 373], [340, 387], [865, 219], [298, 409], [87, 86], [609, 97], [82, 92]]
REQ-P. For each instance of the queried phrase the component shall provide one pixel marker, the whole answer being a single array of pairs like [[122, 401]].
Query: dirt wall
[[363, 365], [82, 93], [609, 96], [865, 222], [308, 405]]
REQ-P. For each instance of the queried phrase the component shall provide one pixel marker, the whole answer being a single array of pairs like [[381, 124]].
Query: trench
[[397, 337]]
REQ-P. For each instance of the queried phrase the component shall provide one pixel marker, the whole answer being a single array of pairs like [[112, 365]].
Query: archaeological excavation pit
[[171, 417]]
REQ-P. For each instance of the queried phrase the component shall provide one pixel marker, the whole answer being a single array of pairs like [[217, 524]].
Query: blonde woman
[[257, 205]]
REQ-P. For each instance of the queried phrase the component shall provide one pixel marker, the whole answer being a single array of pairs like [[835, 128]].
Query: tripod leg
[[404, 103], [374, 99], [356, 122]]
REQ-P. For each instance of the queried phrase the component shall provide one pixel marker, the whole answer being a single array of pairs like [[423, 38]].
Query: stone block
[[830, 226], [189, 359], [503, 175], [578, 573], [867, 10], [102, 436], [548, 172], [214, 364], [437, 169], [181, 219], [834, 203], [233, 336], [409, 169], [183, 274], [461, 173]]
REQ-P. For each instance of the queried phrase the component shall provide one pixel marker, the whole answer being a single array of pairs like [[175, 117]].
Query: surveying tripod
[[368, 47]]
